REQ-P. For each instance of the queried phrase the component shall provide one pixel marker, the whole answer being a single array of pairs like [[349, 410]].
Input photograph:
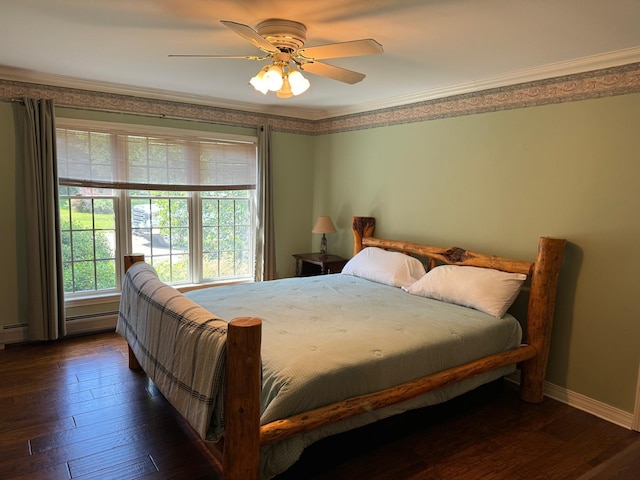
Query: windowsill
[[92, 300], [115, 297], [199, 286]]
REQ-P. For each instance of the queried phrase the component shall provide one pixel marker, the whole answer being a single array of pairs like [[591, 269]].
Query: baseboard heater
[[14, 333], [76, 325], [91, 323]]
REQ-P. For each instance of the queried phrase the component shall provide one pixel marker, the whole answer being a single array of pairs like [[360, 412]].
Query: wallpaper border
[[594, 84]]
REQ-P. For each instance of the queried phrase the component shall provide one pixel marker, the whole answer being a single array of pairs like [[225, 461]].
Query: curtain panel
[[36, 146], [265, 236]]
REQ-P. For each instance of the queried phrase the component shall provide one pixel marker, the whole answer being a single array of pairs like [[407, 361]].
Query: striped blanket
[[181, 347]]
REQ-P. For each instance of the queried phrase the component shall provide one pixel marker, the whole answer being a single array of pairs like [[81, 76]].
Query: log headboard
[[543, 272]]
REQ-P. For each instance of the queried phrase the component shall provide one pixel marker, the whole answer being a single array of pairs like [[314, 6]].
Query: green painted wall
[[494, 183], [292, 157]]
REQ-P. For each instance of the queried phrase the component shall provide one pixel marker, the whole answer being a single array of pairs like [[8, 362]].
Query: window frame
[[122, 211]]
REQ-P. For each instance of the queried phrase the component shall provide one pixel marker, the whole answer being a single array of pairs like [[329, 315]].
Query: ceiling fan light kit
[[282, 41], [282, 79]]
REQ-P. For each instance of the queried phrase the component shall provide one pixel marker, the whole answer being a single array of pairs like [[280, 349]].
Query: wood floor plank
[[127, 446], [122, 471], [117, 407], [625, 465], [108, 358], [21, 420], [51, 441], [23, 381], [55, 472], [100, 452], [79, 406], [52, 397], [185, 462], [29, 431], [16, 449]]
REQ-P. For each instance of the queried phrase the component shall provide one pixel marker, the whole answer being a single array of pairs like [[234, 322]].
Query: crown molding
[[620, 80], [14, 74], [594, 62], [553, 70], [617, 80]]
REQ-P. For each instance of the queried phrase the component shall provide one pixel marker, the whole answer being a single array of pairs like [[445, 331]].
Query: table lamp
[[324, 225]]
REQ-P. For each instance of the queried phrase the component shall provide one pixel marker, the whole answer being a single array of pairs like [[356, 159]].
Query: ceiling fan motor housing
[[287, 35]]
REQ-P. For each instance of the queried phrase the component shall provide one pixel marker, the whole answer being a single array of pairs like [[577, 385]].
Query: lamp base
[[323, 245]]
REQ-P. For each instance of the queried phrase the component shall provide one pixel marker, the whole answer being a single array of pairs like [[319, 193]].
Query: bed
[[304, 358]]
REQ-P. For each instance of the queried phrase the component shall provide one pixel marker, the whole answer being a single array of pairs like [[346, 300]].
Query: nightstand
[[308, 264]]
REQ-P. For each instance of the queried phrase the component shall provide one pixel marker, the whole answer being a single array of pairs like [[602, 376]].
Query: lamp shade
[[324, 225]]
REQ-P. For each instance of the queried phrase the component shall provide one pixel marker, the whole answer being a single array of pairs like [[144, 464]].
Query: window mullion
[[123, 234], [195, 236], [93, 241]]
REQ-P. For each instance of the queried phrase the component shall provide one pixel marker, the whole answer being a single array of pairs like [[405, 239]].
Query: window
[[88, 230], [186, 201]]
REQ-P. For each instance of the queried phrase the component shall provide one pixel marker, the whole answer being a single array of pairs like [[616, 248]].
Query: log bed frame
[[238, 452]]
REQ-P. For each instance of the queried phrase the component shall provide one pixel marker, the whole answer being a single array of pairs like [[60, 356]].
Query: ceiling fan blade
[[250, 34], [353, 48], [244, 57], [331, 71]]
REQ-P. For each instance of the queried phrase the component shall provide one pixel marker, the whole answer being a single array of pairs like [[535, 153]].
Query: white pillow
[[379, 265], [485, 289]]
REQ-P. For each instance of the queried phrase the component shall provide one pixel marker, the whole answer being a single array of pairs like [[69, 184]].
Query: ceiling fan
[[282, 42]]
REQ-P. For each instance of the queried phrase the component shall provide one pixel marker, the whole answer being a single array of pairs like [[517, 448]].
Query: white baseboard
[[582, 402]]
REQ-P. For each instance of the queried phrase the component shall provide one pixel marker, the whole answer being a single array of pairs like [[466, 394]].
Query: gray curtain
[[265, 237], [36, 145]]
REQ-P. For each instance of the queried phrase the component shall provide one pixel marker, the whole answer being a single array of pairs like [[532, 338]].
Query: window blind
[[100, 158]]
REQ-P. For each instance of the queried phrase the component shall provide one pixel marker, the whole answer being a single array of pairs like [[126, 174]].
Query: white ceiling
[[432, 48]]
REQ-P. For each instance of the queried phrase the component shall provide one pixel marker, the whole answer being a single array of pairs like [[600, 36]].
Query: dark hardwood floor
[[72, 409]]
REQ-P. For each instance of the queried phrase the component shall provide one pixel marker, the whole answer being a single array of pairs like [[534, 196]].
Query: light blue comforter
[[331, 337]]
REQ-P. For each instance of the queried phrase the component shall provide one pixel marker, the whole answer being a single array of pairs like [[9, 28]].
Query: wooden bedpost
[[129, 260], [542, 301], [362, 227], [241, 454]]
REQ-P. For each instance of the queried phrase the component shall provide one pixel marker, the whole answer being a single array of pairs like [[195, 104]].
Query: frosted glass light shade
[[259, 83], [273, 78], [299, 84]]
